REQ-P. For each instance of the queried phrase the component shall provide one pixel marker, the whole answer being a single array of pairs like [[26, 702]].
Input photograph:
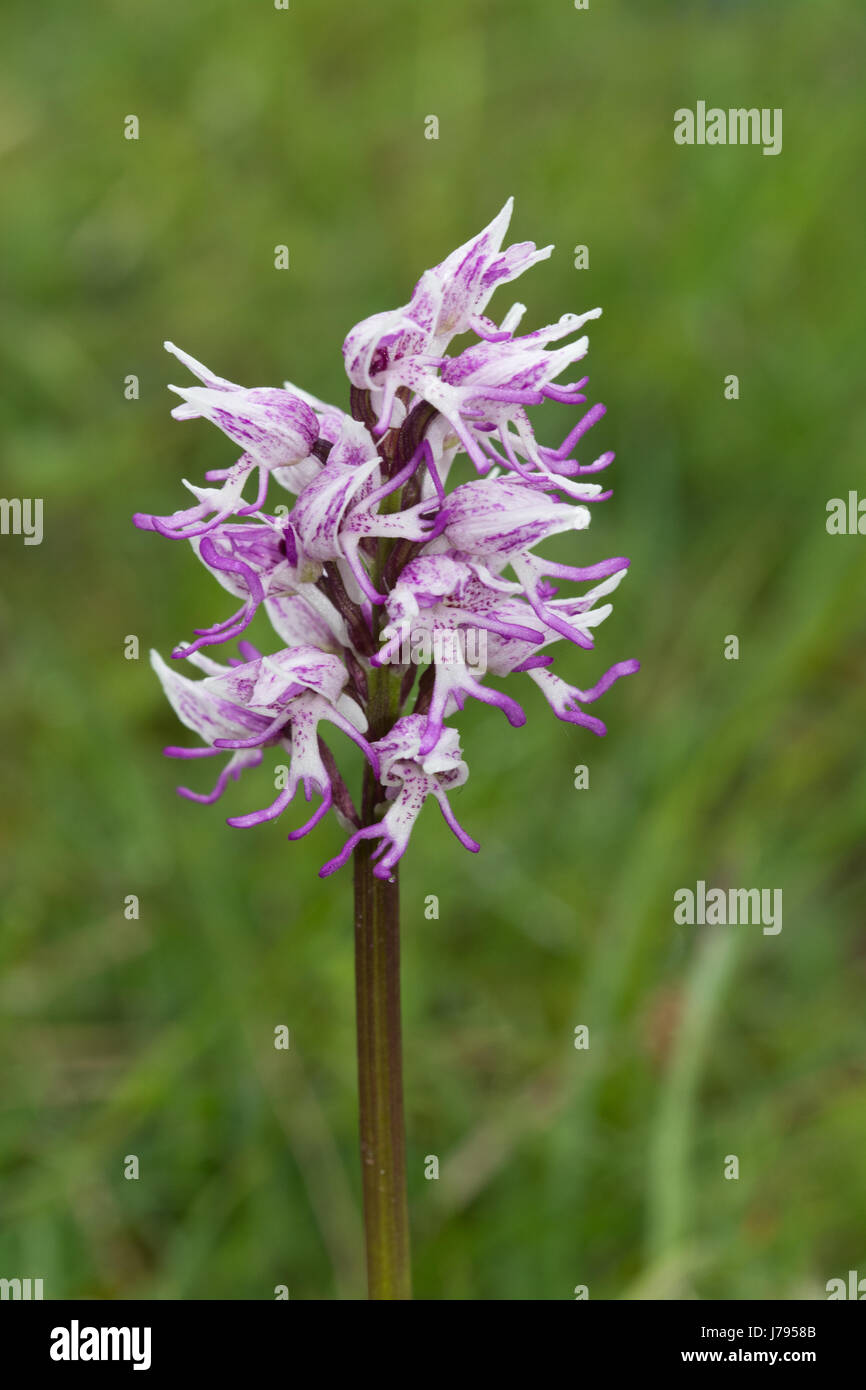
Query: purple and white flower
[[339, 508], [259, 703], [260, 562], [409, 776], [448, 300], [276, 430]]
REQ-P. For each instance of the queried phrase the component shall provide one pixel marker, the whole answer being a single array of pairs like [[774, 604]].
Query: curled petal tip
[[330, 868]]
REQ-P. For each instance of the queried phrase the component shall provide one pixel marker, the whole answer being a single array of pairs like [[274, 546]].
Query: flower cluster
[[367, 550]]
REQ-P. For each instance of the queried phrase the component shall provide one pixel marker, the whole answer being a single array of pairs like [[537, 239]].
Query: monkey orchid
[[349, 540]]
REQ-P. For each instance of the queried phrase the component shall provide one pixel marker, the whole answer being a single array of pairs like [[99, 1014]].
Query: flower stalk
[[381, 1123], [380, 1079]]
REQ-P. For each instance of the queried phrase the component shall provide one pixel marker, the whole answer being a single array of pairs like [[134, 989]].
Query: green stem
[[380, 1059]]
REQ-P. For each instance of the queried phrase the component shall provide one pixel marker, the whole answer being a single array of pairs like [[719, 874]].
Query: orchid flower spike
[[385, 589]]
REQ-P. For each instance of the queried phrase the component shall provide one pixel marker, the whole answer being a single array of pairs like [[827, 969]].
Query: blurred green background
[[153, 1037]]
